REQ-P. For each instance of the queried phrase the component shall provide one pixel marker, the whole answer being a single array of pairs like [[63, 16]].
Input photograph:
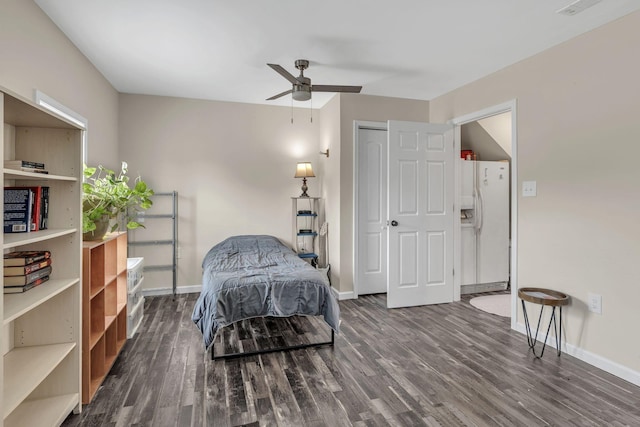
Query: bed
[[257, 276]]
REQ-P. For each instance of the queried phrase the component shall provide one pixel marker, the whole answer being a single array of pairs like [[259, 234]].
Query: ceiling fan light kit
[[301, 87], [302, 92]]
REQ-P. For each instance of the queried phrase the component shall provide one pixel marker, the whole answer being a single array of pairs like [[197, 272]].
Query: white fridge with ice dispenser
[[485, 224]]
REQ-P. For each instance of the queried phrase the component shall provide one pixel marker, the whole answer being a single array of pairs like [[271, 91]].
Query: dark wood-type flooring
[[444, 365]]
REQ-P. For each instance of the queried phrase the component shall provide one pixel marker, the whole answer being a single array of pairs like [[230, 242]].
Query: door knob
[[394, 223]]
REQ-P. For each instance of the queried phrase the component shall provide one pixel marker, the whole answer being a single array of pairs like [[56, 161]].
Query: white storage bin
[[135, 300], [135, 319], [134, 271], [134, 296]]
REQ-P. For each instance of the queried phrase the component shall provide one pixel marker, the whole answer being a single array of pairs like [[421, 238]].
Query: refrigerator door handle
[[479, 212]]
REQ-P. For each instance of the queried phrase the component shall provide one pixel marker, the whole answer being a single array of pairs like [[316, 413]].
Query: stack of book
[[25, 165], [25, 270], [26, 209]]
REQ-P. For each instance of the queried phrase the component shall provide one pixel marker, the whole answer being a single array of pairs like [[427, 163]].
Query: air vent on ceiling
[[577, 7]]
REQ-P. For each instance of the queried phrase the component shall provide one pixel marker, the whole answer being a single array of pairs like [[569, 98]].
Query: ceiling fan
[[302, 87]]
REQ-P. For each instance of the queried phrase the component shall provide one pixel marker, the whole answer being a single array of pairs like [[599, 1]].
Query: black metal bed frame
[[272, 350]]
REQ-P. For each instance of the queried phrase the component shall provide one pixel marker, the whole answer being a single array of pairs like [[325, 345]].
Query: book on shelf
[[26, 269], [39, 207], [25, 169], [44, 210], [18, 205], [25, 288], [27, 278], [19, 258], [40, 211], [13, 164]]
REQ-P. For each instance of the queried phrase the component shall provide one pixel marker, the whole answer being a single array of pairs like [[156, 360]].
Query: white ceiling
[[218, 49]]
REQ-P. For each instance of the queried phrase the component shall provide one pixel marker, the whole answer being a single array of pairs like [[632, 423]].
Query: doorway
[[371, 207], [478, 116], [369, 264]]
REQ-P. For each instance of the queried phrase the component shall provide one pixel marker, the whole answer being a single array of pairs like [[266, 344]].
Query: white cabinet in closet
[[41, 331]]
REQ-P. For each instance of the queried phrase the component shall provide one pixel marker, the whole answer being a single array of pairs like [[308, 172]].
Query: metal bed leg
[[273, 350]]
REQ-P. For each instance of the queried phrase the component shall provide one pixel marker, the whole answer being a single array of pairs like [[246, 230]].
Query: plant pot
[[102, 225]]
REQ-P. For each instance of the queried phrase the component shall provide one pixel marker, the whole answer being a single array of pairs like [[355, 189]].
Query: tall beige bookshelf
[[104, 308], [41, 334]]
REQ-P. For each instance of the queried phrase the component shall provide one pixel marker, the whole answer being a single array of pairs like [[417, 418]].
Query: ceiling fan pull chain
[[311, 110], [292, 110]]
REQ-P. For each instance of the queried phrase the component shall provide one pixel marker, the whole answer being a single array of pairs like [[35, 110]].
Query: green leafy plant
[[107, 197]]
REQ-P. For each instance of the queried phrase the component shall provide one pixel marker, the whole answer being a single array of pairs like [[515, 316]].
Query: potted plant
[[108, 199]]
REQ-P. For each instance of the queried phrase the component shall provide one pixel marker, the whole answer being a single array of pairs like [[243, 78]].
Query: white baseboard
[[342, 295], [169, 290], [593, 359]]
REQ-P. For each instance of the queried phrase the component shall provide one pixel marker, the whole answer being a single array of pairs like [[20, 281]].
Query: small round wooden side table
[[543, 297]]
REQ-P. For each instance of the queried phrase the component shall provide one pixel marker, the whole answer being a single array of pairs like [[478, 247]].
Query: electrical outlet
[[529, 189], [595, 303]]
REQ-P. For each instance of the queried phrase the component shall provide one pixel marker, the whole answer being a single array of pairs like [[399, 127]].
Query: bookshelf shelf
[[104, 273], [20, 239], [41, 331], [108, 320], [18, 304], [22, 175], [39, 412], [26, 367]]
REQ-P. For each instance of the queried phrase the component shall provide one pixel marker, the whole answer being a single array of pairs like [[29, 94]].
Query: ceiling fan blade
[[286, 92], [336, 88], [284, 73]]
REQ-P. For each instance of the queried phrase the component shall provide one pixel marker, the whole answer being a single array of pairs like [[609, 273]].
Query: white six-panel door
[[420, 212], [372, 211]]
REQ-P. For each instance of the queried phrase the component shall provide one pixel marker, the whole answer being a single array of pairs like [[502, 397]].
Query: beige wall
[[35, 54], [330, 138], [232, 165], [368, 108], [578, 132]]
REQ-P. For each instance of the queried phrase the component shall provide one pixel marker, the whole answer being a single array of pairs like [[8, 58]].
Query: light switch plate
[[529, 189]]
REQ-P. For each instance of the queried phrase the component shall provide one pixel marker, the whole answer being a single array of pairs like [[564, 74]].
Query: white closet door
[[372, 211]]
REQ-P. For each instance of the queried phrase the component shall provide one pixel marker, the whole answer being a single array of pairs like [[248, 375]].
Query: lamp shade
[[304, 170]]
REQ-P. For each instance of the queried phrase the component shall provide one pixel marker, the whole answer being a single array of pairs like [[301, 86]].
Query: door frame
[[509, 106], [357, 125]]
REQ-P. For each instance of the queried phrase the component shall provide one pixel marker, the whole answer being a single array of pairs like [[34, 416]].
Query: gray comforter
[[254, 276]]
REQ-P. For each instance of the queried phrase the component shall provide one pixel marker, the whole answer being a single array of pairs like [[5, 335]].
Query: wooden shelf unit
[[104, 308], [41, 333]]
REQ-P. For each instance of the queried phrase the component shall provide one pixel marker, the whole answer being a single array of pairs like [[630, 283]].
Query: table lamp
[[304, 171]]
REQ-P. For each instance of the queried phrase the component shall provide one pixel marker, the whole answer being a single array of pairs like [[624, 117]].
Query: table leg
[[559, 336], [532, 340]]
